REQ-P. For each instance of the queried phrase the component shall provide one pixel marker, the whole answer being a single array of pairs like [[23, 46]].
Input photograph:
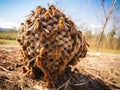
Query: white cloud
[[95, 28], [7, 24]]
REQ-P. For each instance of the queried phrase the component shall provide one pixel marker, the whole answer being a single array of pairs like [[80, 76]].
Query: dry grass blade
[[4, 69], [65, 84], [79, 84], [26, 73]]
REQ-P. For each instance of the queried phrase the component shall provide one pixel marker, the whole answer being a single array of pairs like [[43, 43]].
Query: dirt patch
[[103, 66], [97, 71]]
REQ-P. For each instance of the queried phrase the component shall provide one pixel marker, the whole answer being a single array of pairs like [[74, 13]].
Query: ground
[[98, 71]]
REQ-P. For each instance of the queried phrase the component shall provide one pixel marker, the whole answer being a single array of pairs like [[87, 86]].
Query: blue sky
[[13, 12]]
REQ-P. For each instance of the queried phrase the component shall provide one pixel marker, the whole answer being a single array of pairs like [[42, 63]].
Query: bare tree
[[107, 17]]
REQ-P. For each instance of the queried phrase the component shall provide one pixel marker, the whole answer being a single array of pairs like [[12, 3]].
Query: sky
[[13, 12]]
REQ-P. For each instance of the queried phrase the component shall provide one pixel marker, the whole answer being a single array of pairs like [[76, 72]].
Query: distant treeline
[[110, 40], [10, 35]]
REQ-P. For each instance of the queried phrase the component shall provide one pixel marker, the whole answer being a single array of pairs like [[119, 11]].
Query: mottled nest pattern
[[49, 43]]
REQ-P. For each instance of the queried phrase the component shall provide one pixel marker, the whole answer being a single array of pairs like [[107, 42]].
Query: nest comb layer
[[50, 42]]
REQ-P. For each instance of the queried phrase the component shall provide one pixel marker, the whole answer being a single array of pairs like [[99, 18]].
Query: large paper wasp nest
[[49, 43]]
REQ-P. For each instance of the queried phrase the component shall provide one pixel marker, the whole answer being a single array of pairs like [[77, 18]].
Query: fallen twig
[[4, 69]]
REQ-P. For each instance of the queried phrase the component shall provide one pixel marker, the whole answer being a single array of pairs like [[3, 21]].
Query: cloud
[[7, 24], [95, 28]]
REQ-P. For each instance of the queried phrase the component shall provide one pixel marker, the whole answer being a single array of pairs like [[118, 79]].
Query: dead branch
[[106, 21]]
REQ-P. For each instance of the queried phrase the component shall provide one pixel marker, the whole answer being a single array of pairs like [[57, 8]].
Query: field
[[98, 71]]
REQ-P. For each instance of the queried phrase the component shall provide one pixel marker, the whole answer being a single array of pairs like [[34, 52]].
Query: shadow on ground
[[77, 81]]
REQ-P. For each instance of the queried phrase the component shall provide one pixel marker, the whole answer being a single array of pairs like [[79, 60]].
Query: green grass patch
[[4, 41]]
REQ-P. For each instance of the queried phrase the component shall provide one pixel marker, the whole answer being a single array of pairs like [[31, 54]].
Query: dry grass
[[10, 35], [106, 50]]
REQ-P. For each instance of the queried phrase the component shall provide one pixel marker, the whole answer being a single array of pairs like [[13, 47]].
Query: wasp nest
[[49, 43]]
